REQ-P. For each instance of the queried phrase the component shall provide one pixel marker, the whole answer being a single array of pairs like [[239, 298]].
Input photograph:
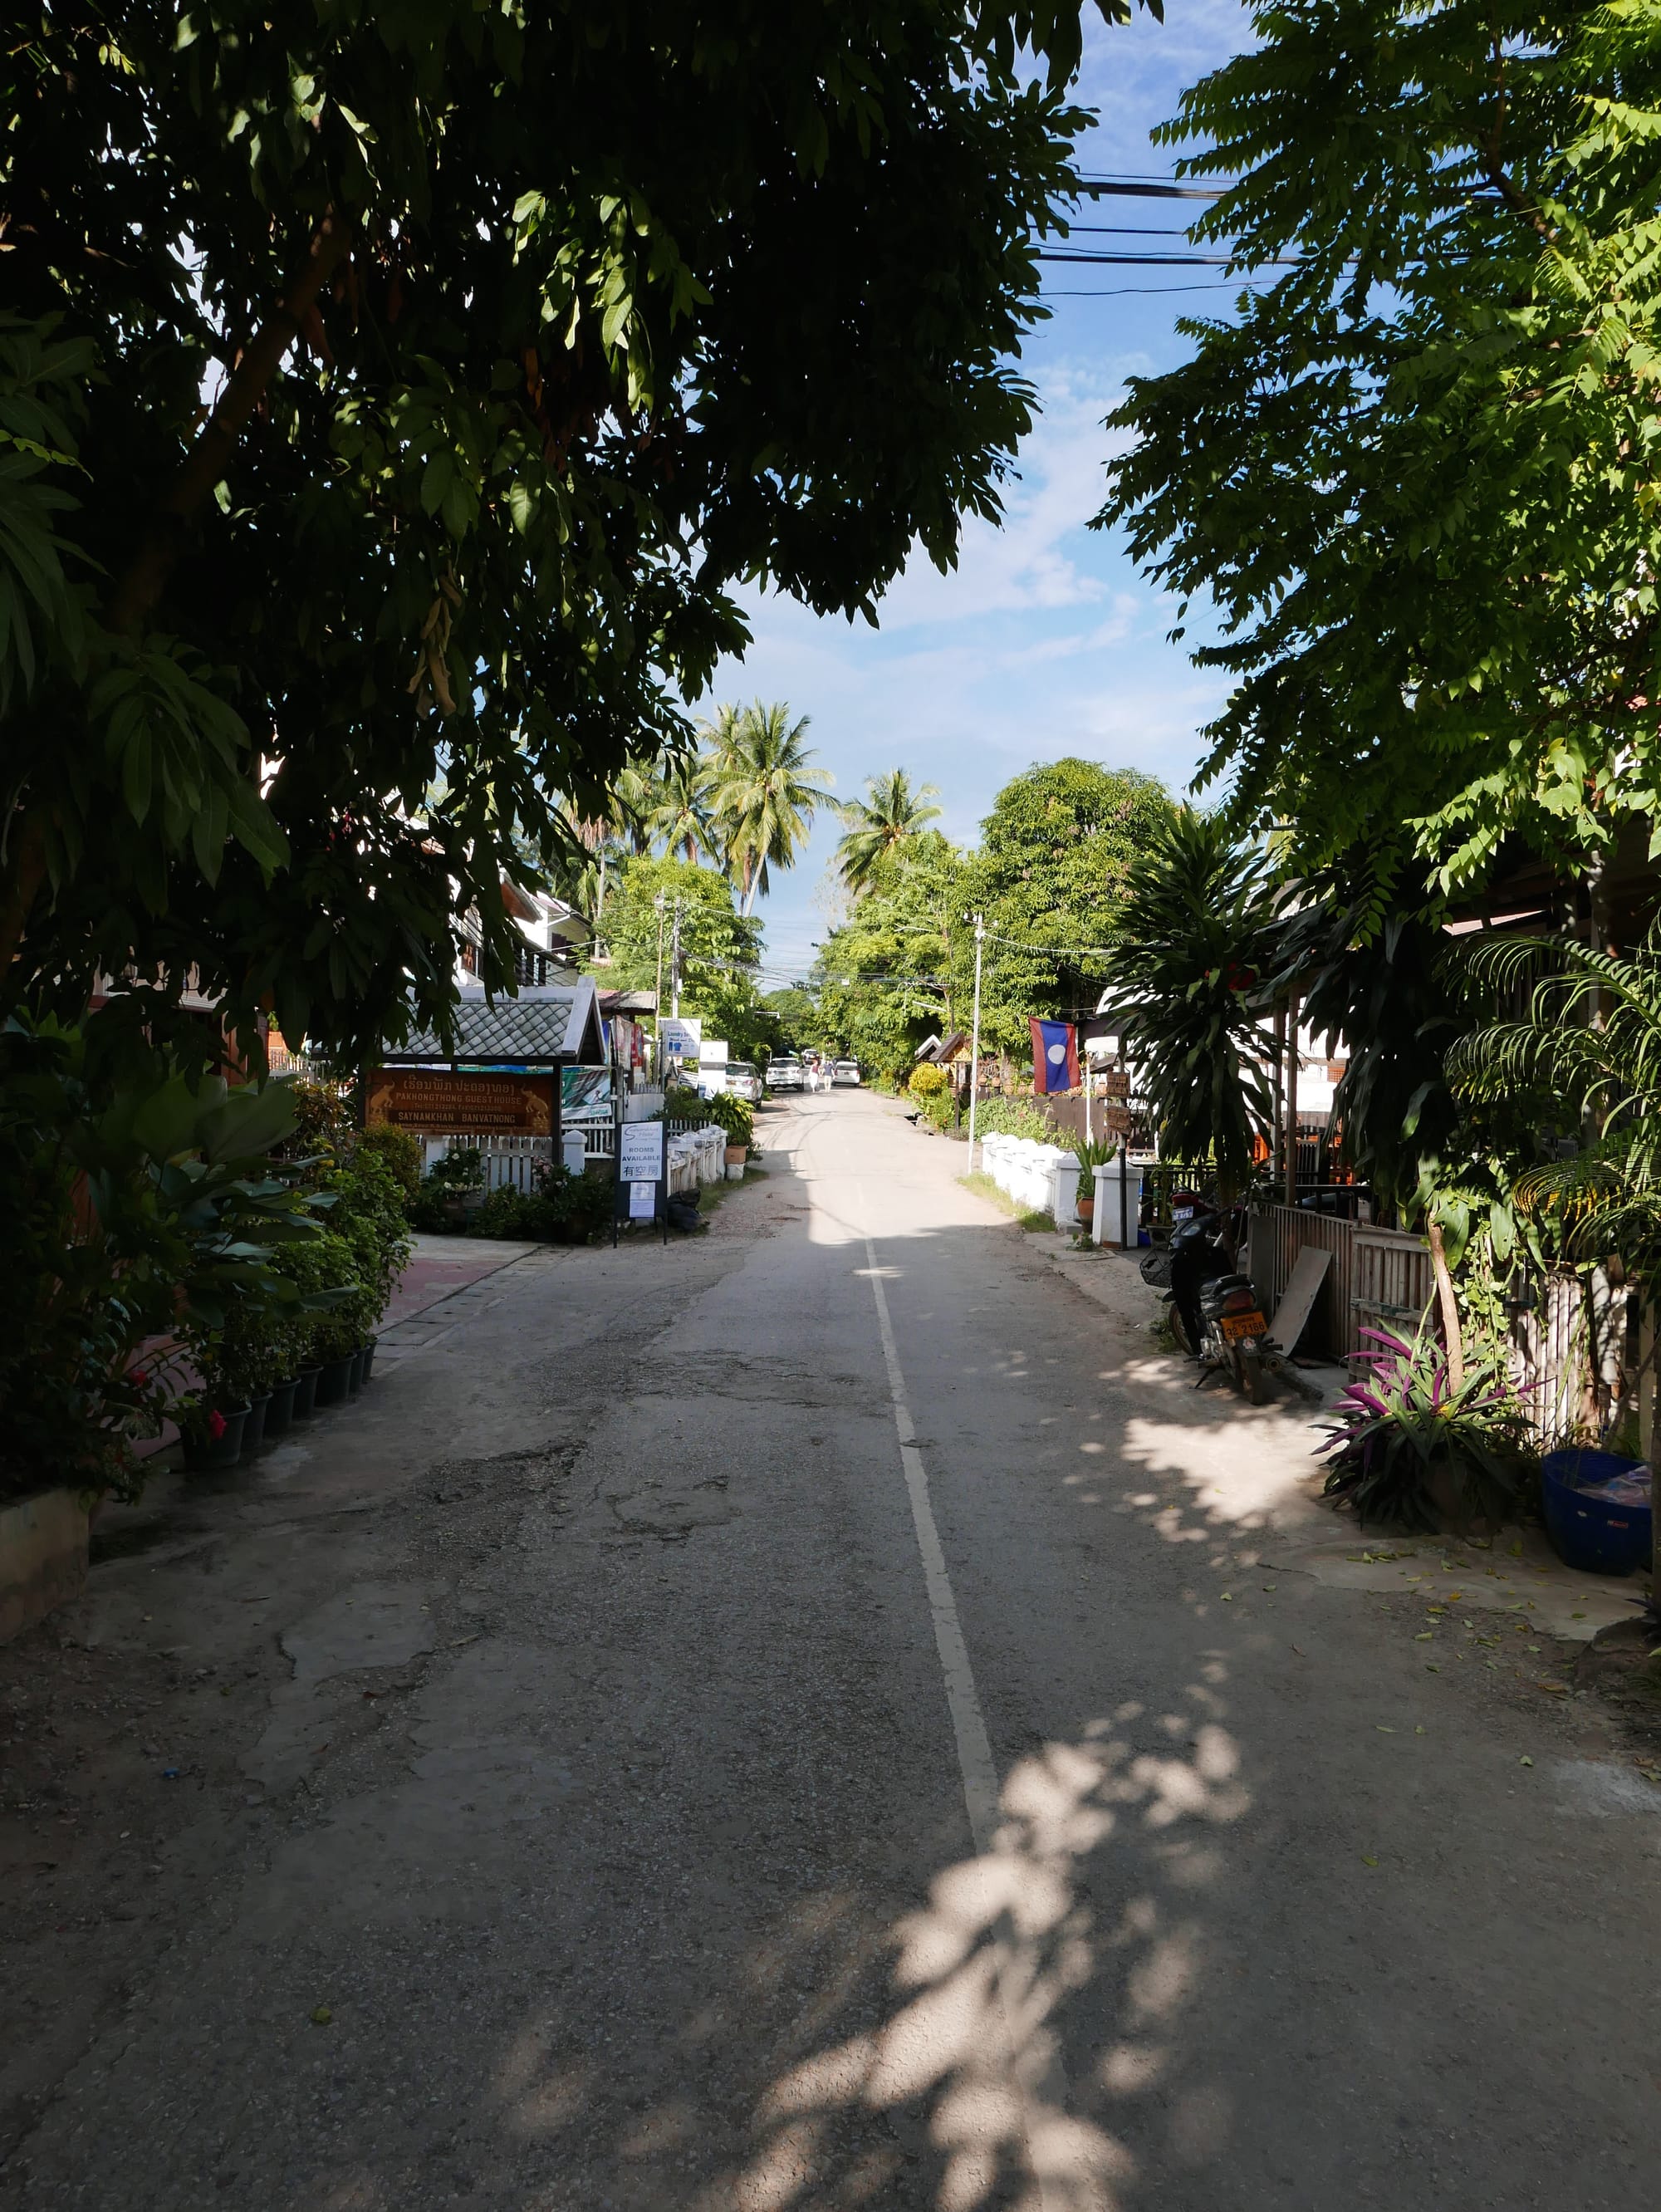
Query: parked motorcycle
[[1191, 1220], [1233, 1333], [1215, 1316]]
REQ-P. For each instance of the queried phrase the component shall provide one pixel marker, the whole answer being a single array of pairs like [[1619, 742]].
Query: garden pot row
[[245, 1428]]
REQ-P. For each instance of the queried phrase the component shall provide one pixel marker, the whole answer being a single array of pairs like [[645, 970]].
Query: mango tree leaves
[[1417, 475], [589, 319]]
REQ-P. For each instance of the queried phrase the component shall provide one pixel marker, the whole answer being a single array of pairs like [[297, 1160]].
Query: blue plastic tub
[[1598, 1511]]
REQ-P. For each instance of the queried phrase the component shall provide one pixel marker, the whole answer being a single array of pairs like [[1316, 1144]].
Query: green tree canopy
[[720, 948], [885, 977], [1055, 853], [393, 398], [1417, 475]]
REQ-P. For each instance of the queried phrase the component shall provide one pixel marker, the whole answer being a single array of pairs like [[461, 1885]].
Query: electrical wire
[[1124, 291], [1104, 188], [1164, 260]]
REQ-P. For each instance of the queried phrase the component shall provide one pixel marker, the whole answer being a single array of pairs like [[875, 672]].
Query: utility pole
[[675, 965], [657, 994], [974, 1047]]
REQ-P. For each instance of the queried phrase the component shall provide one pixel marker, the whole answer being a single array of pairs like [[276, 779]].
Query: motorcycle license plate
[[1182, 1214], [1235, 1326]]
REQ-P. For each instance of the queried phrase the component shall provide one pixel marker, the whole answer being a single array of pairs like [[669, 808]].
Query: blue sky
[[1044, 640]]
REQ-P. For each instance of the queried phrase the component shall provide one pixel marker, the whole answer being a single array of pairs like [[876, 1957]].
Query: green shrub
[[562, 1209], [940, 1110], [431, 1207], [323, 1122], [735, 1116], [399, 1149], [139, 1206], [368, 1211], [323, 1270], [928, 1081], [1013, 1117], [1403, 1432]]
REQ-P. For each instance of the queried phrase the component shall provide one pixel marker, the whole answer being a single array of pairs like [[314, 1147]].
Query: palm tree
[[765, 794], [1585, 1046], [881, 825], [1191, 941], [678, 814]]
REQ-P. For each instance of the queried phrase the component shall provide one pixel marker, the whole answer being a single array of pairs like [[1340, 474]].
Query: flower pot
[[280, 1407], [306, 1392], [254, 1429], [1086, 1210], [737, 1155], [367, 1360], [204, 1451], [335, 1380]]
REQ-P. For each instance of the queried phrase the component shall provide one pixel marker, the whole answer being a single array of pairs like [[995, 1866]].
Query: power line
[[1124, 291], [1166, 260], [1104, 188], [1121, 230]]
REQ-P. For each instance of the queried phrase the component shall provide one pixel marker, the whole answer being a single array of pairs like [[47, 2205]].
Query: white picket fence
[[692, 1157], [509, 1163]]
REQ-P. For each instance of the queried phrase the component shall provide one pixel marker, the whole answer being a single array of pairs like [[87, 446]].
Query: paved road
[[772, 1724]]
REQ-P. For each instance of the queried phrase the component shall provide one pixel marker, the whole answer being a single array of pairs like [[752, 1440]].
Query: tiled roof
[[550, 1022]]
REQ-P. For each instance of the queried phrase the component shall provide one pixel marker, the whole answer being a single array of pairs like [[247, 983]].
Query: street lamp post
[[974, 1046]]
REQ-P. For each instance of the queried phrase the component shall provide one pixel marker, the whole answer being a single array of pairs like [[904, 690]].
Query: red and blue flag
[[1055, 1056]]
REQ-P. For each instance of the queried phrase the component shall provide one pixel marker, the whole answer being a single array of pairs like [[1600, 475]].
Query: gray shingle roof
[[550, 1022]]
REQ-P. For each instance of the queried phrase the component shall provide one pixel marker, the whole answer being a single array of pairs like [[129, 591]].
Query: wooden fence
[[1573, 1360], [1376, 1274]]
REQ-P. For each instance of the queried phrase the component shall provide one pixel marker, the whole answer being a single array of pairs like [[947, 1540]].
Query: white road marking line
[[1046, 2096], [974, 1750]]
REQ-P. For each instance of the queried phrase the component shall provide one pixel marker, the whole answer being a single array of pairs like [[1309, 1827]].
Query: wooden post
[[559, 1115], [1450, 1305]]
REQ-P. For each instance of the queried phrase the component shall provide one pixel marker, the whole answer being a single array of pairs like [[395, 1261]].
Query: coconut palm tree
[[881, 824], [766, 793], [678, 814]]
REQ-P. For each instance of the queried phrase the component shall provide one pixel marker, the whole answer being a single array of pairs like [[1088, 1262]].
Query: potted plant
[[1412, 1448], [211, 1435], [323, 1271], [737, 1117], [367, 1213], [1090, 1156]]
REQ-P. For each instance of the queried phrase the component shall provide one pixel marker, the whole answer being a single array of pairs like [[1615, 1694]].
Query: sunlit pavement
[[829, 1748]]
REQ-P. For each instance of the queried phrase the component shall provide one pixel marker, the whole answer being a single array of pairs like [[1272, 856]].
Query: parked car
[[784, 1072], [742, 1081], [845, 1071]]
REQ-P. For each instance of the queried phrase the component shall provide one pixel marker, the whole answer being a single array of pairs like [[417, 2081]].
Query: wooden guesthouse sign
[[442, 1105]]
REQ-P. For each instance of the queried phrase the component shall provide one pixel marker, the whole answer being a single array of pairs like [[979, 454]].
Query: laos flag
[[1055, 1056]]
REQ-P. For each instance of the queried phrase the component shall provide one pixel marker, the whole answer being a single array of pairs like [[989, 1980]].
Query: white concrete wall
[[1040, 1178]]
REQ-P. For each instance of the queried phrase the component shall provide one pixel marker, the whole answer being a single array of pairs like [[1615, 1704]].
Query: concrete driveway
[[787, 1721]]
